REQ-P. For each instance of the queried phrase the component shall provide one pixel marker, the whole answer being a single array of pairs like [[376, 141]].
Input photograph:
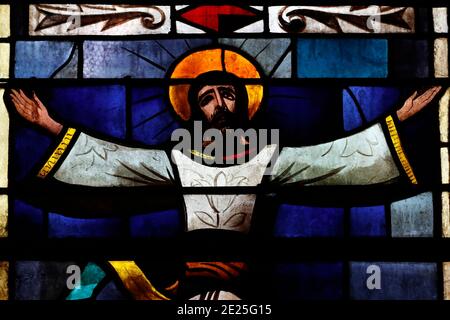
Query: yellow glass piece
[[240, 66], [255, 95], [4, 267], [441, 58], [59, 151], [4, 21], [399, 149], [446, 214], [446, 271], [135, 281], [4, 138], [4, 60], [3, 216], [178, 95], [444, 105], [197, 63], [444, 165]]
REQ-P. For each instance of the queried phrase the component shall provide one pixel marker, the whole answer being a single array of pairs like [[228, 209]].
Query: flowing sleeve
[[372, 156], [80, 159]]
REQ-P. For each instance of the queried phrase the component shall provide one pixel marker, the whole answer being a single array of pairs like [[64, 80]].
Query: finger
[[18, 104], [19, 100], [430, 97], [24, 96], [429, 93], [38, 101], [413, 95], [16, 101], [409, 102], [425, 101], [408, 105], [18, 97], [23, 112]]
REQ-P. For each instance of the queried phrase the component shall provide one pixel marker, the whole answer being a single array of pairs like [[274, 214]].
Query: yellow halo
[[208, 60]]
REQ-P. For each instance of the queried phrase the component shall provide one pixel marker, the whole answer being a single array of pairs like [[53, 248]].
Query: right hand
[[33, 110]]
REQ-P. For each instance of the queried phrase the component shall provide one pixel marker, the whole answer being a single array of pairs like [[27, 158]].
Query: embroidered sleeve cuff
[[50, 164], [390, 122]]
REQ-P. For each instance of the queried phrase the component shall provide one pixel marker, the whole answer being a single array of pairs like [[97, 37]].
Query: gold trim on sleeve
[[201, 155], [399, 149], [135, 281], [56, 155]]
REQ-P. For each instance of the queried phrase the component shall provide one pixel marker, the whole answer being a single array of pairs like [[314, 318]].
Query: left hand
[[416, 103]]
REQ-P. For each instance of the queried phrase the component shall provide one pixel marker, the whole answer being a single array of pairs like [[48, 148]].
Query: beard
[[223, 119]]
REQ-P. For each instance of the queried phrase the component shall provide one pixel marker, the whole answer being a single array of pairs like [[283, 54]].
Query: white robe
[[363, 158]]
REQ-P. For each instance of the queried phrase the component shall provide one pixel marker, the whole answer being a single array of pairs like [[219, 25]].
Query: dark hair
[[217, 78]]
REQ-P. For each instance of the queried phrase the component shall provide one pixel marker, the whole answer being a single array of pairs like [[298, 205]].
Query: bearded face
[[218, 105]]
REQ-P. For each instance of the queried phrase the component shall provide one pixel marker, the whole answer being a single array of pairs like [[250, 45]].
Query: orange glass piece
[[198, 63], [178, 95], [240, 66], [255, 94]]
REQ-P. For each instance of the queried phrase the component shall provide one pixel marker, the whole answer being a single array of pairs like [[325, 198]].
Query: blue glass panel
[[413, 217], [63, 227], [368, 221], [267, 52], [352, 116], [152, 116], [28, 220], [110, 292], [90, 278], [137, 59], [309, 281], [38, 280], [41, 59], [373, 101], [303, 115], [30, 149], [299, 221], [70, 69], [399, 281], [284, 70], [100, 108], [157, 224], [342, 58]]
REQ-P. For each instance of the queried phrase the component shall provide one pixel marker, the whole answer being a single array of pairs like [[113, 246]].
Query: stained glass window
[[118, 181]]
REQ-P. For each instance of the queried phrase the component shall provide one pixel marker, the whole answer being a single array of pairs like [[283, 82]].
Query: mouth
[[220, 121]]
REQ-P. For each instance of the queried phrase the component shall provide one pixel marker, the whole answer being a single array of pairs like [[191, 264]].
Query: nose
[[219, 99]]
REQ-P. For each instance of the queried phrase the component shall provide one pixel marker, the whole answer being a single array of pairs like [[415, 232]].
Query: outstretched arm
[[33, 110], [81, 159], [416, 103], [360, 159]]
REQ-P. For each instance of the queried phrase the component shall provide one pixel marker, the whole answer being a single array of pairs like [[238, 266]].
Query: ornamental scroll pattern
[[86, 19], [341, 19]]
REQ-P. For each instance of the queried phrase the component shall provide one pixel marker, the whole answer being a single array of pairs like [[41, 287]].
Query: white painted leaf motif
[[235, 220], [207, 219], [220, 180]]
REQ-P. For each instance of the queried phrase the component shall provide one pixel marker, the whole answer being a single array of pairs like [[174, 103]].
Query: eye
[[205, 100], [228, 93]]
